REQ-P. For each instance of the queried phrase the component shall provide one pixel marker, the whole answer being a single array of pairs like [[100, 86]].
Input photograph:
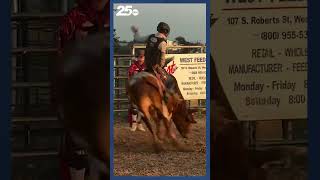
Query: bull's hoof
[[161, 138], [158, 148], [183, 148], [161, 141]]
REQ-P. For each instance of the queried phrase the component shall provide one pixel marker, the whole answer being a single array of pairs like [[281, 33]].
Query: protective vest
[[152, 52]]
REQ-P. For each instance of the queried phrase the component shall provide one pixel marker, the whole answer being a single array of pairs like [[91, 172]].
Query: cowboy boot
[[161, 76], [134, 123], [161, 72], [140, 127]]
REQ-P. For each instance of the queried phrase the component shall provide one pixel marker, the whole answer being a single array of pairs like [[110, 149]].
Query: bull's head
[[182, 116], [183, 119]]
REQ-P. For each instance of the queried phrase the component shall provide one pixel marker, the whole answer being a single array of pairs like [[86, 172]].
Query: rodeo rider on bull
[[155, 50], [154, 62], [88, 17]]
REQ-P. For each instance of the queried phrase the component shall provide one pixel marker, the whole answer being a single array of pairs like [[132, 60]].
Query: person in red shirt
[[88, 17], [133, 116]]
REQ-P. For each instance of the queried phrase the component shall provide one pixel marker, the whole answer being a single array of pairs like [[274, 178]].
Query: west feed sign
[[190, 72], [260, 52]]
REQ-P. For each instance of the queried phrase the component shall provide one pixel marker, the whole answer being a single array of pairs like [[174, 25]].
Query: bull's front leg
[[172, 135], [156, 143], [167, 119]]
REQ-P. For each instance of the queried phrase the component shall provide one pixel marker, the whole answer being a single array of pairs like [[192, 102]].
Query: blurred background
[[35, 130]]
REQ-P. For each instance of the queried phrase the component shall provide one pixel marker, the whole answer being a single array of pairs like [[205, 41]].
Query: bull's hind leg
[[155, 117], [156, 142], [160, 130]]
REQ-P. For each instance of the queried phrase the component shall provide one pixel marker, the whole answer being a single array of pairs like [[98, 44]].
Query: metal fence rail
[[28, 50], [288, 136], [25, 119], [35, 16], [34, 154], [35, 132]]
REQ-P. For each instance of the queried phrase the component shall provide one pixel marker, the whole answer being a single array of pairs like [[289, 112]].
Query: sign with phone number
[[190, 72], [260, 52]]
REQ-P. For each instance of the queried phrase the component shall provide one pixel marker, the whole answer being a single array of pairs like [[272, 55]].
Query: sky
[[186, 20]]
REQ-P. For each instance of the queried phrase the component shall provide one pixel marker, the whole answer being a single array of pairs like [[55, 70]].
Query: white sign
[[190, 72], [260, 53]]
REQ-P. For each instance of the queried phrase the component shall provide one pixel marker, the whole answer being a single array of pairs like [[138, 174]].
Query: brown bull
[[146, 94], [83, 96]]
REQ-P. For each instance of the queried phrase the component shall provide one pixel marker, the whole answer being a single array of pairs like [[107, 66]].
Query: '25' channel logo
[[126, 11]]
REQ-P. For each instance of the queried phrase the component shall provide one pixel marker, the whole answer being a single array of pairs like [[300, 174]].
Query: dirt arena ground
[[134, 154]]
